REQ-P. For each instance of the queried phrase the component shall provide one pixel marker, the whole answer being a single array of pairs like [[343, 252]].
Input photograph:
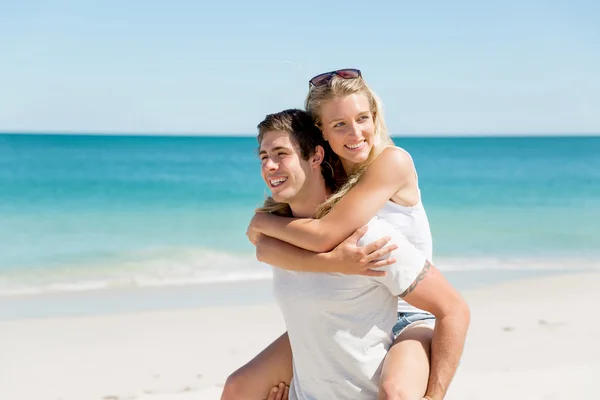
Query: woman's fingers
[[382, 263], [371, 272], [376, 245], [381, 253]]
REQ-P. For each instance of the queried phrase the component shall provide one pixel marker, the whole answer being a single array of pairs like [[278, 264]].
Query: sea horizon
[[92, 212], [432, 135]]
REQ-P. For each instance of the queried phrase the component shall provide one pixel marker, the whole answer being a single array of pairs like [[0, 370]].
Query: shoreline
[[529, 339], [130, 300]]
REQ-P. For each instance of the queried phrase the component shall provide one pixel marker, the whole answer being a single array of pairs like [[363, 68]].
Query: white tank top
[[412, 222]]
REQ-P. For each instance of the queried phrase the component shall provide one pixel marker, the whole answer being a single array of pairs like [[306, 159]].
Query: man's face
[[282, 168]]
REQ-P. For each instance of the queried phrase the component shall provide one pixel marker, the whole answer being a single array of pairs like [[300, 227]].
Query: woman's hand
[[253, 229], [351, 259]]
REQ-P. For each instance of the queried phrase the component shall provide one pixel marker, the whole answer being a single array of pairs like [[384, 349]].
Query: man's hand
[[280, 392], [351, 259]]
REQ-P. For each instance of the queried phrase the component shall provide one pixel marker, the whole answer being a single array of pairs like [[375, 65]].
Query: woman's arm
[[347, 258], [433, 293], [388, 173]]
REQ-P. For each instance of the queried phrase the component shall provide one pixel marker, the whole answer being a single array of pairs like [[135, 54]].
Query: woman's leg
[[405, 371], [256, 379]]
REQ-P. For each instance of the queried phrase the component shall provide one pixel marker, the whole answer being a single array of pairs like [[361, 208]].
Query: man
[[339, 326]]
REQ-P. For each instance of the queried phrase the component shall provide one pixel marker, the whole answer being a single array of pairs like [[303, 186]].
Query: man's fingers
[[376, 245], [281, 392], [286, 393], [381, 252], [278, 392], [273, 393]]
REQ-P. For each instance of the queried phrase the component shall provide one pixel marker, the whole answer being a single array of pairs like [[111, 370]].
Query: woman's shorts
[[412, 318]]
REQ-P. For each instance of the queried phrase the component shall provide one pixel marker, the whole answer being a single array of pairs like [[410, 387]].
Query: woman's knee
[[234, 387], [406, 368]]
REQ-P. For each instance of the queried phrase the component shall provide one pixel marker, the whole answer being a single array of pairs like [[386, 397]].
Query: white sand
[[534, 339]]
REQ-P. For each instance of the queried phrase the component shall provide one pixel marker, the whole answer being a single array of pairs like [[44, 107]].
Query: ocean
[[82, 213]]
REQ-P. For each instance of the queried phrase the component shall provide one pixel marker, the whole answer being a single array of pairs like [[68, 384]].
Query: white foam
[[149, 268], [179, 267], [135, 282]]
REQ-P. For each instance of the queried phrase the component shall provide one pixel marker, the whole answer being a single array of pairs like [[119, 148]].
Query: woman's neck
[[348, 166]]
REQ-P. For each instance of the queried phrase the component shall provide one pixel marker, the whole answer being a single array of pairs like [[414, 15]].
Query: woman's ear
[[318, 125]]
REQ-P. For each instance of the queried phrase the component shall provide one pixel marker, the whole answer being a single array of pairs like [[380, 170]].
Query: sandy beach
[[529, 339]]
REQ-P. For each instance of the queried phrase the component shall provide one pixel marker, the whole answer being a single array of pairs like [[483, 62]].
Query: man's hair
[[299, 125], [306, 136]]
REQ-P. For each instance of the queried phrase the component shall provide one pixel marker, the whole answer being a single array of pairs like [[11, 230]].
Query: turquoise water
[[87, 212]]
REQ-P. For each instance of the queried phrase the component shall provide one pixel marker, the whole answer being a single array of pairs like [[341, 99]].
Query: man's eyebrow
[[275, 149]]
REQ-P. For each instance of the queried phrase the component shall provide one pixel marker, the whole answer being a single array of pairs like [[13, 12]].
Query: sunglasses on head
[[324, 79]]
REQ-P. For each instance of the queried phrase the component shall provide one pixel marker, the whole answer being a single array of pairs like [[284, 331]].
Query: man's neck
[[308, 200]]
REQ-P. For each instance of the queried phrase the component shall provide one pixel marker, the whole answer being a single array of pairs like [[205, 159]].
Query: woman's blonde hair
[[339, 87]]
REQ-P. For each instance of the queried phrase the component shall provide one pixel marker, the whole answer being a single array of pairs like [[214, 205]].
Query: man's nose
[[270, 164]]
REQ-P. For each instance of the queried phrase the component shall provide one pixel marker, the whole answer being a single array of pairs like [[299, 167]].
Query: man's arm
[[431, 291], [422, 285], [347, 258]]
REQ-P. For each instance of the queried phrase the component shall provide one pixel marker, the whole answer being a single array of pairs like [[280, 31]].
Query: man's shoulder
[[376, 229]]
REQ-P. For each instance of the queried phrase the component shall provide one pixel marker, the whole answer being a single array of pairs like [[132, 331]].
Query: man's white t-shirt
[[340, 326]]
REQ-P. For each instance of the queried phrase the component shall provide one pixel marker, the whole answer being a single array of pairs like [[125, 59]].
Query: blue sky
[[441, 67]]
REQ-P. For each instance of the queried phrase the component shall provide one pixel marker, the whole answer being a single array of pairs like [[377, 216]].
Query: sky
[[218, 67]]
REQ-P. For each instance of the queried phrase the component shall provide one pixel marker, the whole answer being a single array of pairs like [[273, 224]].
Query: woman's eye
[[338, 124], [364, 117]]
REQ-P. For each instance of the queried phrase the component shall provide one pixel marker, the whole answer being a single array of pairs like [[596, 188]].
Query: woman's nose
[[355, 130]]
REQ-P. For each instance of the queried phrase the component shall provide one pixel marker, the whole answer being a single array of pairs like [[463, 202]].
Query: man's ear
[[317, 158]]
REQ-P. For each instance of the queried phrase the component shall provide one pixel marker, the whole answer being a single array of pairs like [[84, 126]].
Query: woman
[[382, 181]]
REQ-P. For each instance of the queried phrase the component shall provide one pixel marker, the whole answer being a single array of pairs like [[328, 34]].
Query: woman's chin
[[359, 158]]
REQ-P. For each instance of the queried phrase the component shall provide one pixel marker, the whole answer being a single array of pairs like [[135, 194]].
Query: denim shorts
[[406, 319]]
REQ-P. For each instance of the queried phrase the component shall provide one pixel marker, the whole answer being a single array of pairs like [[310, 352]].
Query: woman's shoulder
[[394, 156], [396, 150]]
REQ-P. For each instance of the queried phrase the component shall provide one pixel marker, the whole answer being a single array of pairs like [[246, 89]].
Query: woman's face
[[348, 125]]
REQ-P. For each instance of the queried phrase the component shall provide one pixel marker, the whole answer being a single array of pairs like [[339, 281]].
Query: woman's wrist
[[338, 260], [327, 262], [260, 222]]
